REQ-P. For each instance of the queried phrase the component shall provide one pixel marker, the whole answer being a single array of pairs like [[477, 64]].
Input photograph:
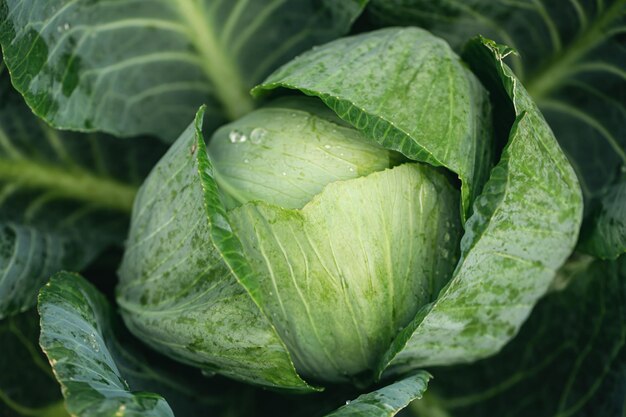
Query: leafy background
[[568, 360]]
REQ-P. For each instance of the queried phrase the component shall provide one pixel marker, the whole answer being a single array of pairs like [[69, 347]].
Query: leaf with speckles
[[572, 61], [63, 197], [387, 401], [179, 287], [144, 67], [525, 225], [568, 360], [433, 109], [76, 335]]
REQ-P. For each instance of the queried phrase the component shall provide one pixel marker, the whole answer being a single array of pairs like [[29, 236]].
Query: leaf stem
[[556, 70], [73, 183], [217, 66]]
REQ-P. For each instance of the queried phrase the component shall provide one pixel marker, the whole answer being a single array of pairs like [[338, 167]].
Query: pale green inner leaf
[[287, 152], [342, 275]]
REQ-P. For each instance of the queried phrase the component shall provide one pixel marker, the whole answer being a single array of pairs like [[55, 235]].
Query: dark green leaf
[[76, 335], [568, 360], [27, 385], [387, 401], [63, 197], [604, 234], [572, 59], [525, 225], [432, 109], [131, 67], [180, 288]]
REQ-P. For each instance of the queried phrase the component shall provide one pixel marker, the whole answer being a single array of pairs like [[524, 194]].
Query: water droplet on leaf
[[257, 135], [236, 136]]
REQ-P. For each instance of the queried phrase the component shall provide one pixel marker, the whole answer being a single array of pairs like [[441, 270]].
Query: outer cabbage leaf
[[63, 197], [142, 67], [525, 224], [387, 401], [180, 288], [76, 335], [572, 61], [407, 90], [568, 360], [27, 385]]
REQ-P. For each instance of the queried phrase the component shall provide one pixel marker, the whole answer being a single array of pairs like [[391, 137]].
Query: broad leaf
[[76, 335], [525, 224], [387, 401], [568, 360], [573, 62], [433, 109], [144, 67], [180, 278], [63, 197], [27, 385]]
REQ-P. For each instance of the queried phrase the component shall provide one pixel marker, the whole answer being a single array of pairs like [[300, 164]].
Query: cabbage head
[[391, 206]]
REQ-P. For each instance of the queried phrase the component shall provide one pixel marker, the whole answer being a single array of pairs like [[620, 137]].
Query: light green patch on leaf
[[64, 197], [179, 289], [341, 276], [286, 152], [407, 90], [75, 335], [387, 401], [525, 224], [142, 67]]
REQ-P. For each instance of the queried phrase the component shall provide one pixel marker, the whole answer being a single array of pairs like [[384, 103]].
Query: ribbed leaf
[[573, 62], [144, 67], [568, 360], [387, 401], [525, 224], [27, 385], [179, 289], [407, 90], [76, 335], [63, 197]]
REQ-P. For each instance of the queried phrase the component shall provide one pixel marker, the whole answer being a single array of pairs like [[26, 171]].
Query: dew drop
[[446, 237], [93, 342], [351, 169], [246, 161], [257, 135], [348, 402], [327, 146], [284, 173], [235, 136]]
